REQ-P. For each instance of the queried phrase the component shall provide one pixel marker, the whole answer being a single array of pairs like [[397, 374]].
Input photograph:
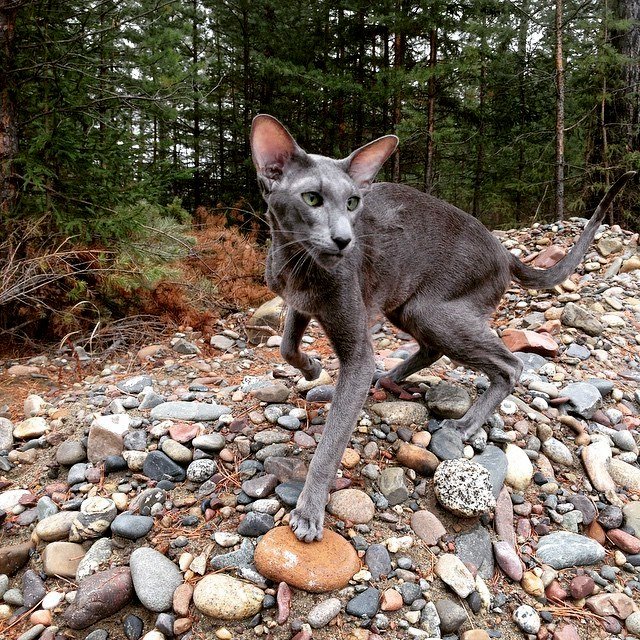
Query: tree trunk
[[482, 90], [399, 41], [522, 99], [8, 125], [559, 173], [629, 46], [433, 57], [196, 109]]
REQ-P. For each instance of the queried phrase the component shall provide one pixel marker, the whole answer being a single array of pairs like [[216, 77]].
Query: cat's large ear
[[272, 147], [364, 163]]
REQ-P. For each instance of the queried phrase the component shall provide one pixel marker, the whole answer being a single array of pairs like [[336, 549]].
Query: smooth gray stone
[[155, 578], [196, 411], [563, 549], [494, 460], [132, 527], [474, 547]]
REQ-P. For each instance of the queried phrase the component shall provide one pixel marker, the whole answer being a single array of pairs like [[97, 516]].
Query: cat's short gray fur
[[433, 270]]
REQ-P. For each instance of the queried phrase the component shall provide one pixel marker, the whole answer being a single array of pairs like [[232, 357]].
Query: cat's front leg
[[356, 369], [295, 325]]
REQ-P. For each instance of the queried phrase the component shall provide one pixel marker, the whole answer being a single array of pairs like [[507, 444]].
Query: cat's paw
[[464, 428], [377, 376], [313, 370], [307, 527]]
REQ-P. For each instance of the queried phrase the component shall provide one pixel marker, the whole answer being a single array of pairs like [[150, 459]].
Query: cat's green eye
[[312, 198], [353, 202]]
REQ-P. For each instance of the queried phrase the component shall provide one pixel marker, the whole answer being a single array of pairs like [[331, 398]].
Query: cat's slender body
[[343, 250]]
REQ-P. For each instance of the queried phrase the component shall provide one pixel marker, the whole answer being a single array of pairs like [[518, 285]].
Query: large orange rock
[[318, 566]]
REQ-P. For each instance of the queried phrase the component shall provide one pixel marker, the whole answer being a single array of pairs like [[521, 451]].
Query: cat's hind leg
[[295, 325], [462, 333]]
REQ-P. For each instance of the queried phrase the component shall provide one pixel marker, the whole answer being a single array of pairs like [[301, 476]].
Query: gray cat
[[344, 249]]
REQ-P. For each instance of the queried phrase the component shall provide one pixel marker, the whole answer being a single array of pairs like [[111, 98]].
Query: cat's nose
[[342, 242]]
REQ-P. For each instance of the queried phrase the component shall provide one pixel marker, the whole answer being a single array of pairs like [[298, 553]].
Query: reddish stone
[[566, 632], [283, 598], [625, 541], [581, 587], [611, 604], [391, 600], [550, 326], [555, 591], [523, 527], [596, 532], [184, 432], [549, 256], [503, 518], [530, 341], [417, 458], [28, 500]]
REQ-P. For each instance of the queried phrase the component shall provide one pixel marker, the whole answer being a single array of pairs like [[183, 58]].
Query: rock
[[260, 486], [243, 557], [95, 517], [579, 318], [10, 499], [352, 505], [378, 561], [392, 485], [33, 589], [563, 549], [503, 518], [134, 385], [201, 470], [209, 442], [626, 475], [584, 398], [323, 380], [321, 393], [527, 619], [464, 488], [324, 612], [30, 428], [549, 256], [71, 452], [99, 596], [6, 434], [585, 506], [632, 623], [631, 264], [273, 393], [133, 627], [155, 578], [581, 587], [14, 557], [365, 604], [98, 554], [446, 444], [519, 468], [56, 527], [106, 437], [619, 605], [557, 452], [289, 492], [62, 559], [596, 459], [176, 451], [158, 466], [221, 342], [495, 462], [474, 547], [222, 596], [625, 541], [400, 412], [255, 524], [427, 527], [130, 526], [391, 600], [317, 566], [448, 401], [196, 411], [532, 584], [452, 616], [530, 341], [508, 560], [268, 316], [631, 514], [452, 571], [610, 517], [417, 458]]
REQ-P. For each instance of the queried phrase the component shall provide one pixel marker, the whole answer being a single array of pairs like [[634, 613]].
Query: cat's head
[[314, 200]]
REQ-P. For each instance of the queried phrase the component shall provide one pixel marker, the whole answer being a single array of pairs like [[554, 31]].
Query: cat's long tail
[[531, 278]]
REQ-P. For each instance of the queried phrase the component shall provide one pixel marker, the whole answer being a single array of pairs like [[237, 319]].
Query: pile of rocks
[[144, 498]]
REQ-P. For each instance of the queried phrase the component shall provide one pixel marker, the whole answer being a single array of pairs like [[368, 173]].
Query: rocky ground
[[142, 495]]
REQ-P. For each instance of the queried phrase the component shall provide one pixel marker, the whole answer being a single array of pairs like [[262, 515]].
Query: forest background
[[126, 185]]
